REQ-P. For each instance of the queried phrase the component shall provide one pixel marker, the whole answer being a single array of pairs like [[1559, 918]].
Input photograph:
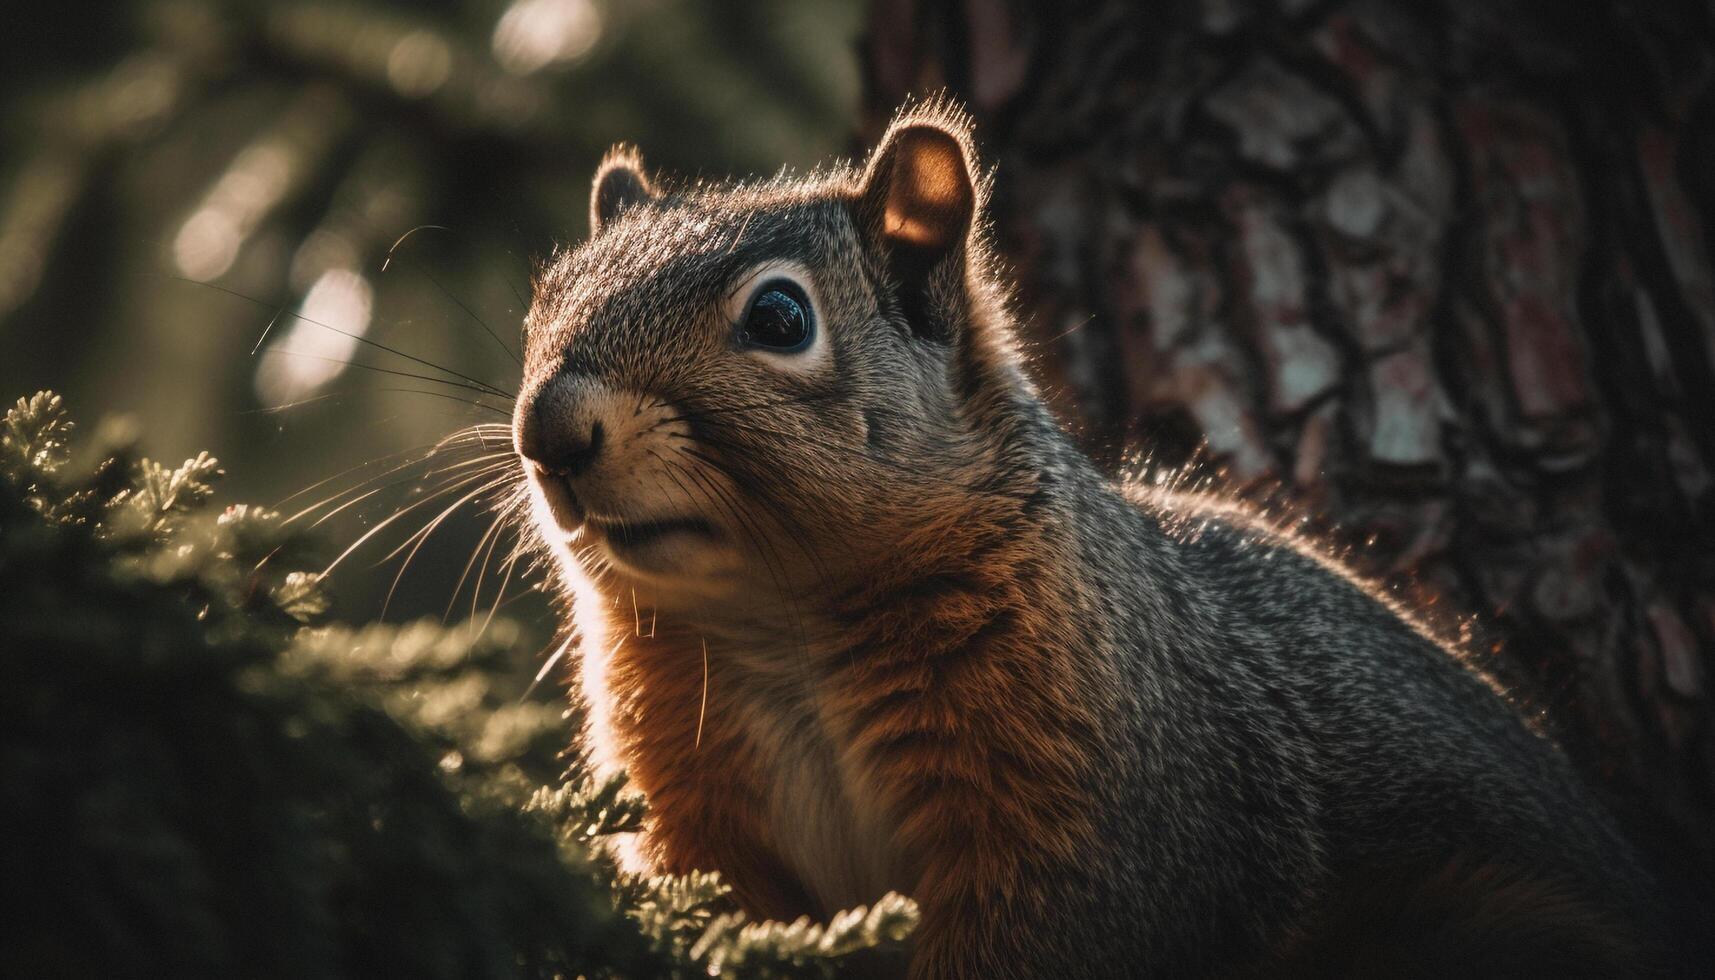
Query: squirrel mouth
[[562, 502], [623, 535]]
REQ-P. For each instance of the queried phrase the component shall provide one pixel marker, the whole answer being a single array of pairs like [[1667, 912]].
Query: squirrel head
[[737, 392]]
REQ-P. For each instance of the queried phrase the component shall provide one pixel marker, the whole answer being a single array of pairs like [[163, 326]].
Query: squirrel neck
[[835, 757]]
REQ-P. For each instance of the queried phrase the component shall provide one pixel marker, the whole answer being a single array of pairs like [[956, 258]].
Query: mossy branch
[[203, 775]]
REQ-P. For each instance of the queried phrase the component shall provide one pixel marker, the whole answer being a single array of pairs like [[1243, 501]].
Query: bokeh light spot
[[315, 345], [419, 64], [207, 244], [534, 34]]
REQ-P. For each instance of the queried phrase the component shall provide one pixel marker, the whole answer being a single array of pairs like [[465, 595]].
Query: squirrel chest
[[745, 773]]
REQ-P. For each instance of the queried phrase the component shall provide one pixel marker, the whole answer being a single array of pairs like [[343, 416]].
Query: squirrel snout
[[565, 443], [600, 449]]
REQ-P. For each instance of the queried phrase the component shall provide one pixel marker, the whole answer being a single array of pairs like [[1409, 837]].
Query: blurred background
[[179, 178], [1436, 272]]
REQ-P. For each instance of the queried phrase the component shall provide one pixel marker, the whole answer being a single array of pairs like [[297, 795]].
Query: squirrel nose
[[558, 438]]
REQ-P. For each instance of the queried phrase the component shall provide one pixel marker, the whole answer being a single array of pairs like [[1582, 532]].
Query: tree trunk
[[1438, 272]]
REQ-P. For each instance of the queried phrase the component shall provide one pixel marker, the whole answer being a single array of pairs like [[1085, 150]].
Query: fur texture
[[864, 619]]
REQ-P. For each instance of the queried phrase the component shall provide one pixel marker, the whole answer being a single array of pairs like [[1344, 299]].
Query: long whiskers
[[474, 466], [358, 494], [496, 474], [479, 320], [359, 338], [336, 395], [388, 262], [507, 567], [708, 436], [408, 508], [781, 516], [703, 710], [480, 390], [422, 535], [478, 435], [722, 501], [501, 514]]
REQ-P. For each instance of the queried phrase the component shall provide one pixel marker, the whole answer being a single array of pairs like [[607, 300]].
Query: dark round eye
[[779, 318]]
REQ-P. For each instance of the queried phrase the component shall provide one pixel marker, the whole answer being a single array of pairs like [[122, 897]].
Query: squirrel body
[[857, 616]]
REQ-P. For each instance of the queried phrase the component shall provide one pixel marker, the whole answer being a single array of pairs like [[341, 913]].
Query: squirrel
[[856, 615]]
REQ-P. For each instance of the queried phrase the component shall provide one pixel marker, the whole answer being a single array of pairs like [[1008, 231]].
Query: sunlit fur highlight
[[1192, 496]]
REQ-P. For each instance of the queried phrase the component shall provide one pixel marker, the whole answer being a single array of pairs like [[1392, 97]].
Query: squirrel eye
[[779, 318]]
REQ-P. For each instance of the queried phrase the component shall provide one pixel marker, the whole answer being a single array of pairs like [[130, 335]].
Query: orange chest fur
[[744, 777], [943, 765]]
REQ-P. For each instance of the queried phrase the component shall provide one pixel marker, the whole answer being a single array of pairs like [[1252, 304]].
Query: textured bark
[[1439, 272]]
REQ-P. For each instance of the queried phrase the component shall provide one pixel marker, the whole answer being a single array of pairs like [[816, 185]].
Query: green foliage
[[186, 186], [199, 776]]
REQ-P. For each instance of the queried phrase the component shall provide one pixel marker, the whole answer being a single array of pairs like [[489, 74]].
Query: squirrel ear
[[918, 199], [919, 190], [619, 183]]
